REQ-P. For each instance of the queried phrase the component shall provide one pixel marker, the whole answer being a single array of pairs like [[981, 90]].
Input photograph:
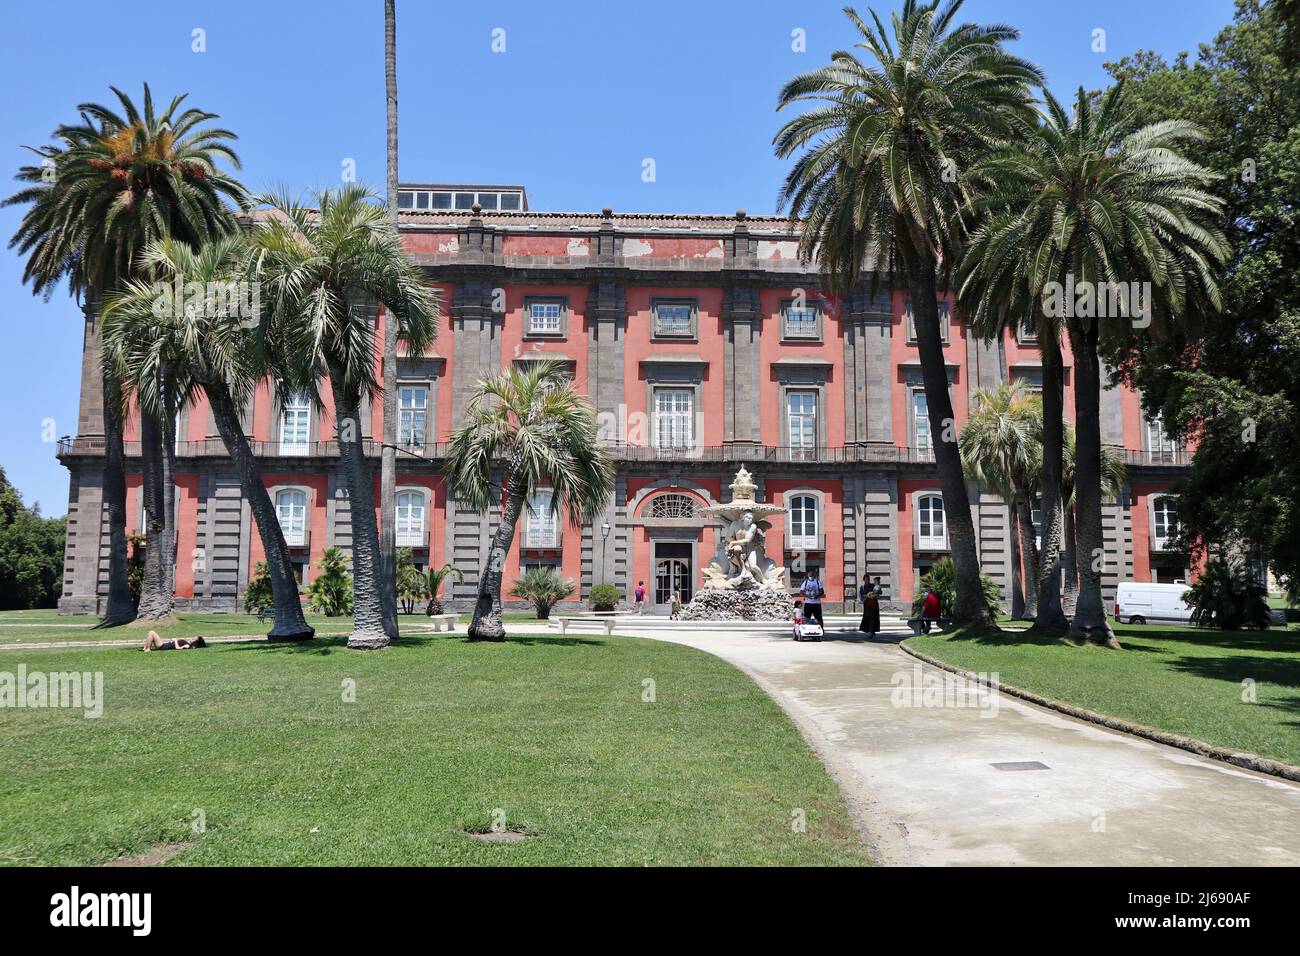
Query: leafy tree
[[331, 593], [434, 584], [319, 269], [1231, 382], [110, 185], [1228, 597], [942, 579], [525, 429], [883, 171], [259, 595], [31, 553], [171, 351], [544, 587]]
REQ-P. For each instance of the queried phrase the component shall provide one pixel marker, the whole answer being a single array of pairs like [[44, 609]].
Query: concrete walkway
[[923, 784]]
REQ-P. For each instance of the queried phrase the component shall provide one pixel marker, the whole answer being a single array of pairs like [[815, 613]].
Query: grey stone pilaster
[[742, 328]]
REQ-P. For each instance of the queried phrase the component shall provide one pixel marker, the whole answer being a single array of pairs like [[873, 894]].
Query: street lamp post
[[604, 536]]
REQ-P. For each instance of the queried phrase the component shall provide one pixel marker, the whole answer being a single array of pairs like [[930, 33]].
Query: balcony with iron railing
[[436, 452]]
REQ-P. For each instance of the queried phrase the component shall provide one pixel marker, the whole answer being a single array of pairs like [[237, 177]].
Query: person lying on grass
[[152, 642]]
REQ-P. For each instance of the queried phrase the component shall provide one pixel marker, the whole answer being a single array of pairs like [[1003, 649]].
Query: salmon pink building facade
[[704, 344]]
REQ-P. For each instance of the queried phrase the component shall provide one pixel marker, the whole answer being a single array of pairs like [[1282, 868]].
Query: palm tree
[[319, 269], [436, 577], [209, 346], [112, 184], [530, 426], [1086, 204], [388, 454], [1001, 446], [882, 173]]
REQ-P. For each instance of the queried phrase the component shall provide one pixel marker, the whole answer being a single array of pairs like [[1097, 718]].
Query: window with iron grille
[[672, 506]]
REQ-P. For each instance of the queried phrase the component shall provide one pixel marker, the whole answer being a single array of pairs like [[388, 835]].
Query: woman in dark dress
[[870, 594]]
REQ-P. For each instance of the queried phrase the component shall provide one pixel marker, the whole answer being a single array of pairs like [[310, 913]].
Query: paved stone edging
[[1199, 747]]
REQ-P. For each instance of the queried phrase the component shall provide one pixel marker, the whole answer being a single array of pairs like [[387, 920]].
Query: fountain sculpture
[[742, 583]]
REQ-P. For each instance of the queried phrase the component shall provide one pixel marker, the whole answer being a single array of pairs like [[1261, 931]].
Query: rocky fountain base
[[750, 604]]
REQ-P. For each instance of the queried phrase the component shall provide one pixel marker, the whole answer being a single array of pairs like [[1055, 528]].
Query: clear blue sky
[[582, 93]]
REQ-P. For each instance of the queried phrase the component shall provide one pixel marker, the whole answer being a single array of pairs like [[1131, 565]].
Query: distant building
[[703, 343]]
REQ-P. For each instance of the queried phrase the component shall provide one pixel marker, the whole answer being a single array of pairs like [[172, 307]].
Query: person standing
[[677, 605], [869, 593], [638, 597], [813, 592]]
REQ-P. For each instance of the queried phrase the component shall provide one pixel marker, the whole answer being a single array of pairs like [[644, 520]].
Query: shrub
[[942, 578], [544, 587], [331, 593], [411, 585], [258, 595], [434, 584], [1227, 597], [604, 597]]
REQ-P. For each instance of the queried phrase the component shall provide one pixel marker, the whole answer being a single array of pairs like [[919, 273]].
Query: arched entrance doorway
[[673, 573]]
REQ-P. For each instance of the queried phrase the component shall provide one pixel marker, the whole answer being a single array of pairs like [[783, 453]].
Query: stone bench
[[438, 620], [563, 624], [942, 623]]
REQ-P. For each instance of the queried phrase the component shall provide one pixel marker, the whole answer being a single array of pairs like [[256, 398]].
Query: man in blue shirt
[[813, 592]]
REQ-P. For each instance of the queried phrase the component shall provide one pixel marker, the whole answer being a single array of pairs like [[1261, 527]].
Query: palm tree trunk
[[1049, 613], [155, 599], [487, 624], [1029, 554], [368, 631], [120, 607], [969, 607], [1089, 623], [1017, 592], [1069, 567], [290, 625], [167, 435], [388, 454]]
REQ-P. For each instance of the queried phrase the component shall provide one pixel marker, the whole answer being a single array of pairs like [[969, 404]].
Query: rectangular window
[[441, 200], [544, 318], [944, 321], [291, 509], [801, 322], [295, 426], [674, 419], [405, 200], [409, 523], [921, 439], [540, 530], [421, 200], [464, 200], [803, 523], [801, 415], [412, 414], [510, 201], [1161, 448], [674, 319], [487, 200]]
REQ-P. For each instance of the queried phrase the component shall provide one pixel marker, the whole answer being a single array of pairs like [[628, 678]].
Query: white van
[[1138, 603]]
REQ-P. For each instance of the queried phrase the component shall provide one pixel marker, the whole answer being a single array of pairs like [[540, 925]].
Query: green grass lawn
[[552, 730], [18, 627], [1185, 680]]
